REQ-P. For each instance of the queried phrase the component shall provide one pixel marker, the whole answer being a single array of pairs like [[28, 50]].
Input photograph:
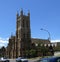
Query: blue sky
[[43, 14]]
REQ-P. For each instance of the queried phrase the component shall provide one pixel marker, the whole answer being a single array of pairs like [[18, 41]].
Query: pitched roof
[[43, 41]]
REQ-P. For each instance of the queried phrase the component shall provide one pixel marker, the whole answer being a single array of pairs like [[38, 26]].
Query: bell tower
[[23, 33]]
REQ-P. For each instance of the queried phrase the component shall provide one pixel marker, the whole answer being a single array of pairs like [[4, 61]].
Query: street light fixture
[[47, 32]]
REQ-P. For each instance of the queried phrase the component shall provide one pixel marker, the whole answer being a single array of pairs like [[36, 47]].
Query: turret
[[21, 12], [28, 13], [17, 14]]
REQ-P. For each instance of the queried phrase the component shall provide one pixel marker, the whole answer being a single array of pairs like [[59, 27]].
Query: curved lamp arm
[[47, 32]]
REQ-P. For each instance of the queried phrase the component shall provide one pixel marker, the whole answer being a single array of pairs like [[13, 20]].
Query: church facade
[[22, 41]]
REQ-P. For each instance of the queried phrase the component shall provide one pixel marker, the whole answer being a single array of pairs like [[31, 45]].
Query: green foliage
[[2, 51], [30, 53], [38, 51], [57, 48], [43, 49], [33, 52]]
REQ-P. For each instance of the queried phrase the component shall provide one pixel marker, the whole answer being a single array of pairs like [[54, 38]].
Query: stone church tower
[[23, 34]]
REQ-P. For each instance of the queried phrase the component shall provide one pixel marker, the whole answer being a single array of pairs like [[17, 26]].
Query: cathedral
[[22, 41]]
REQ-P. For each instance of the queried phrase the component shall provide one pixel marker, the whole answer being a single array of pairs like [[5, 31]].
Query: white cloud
[[3, 42], [55, 40]]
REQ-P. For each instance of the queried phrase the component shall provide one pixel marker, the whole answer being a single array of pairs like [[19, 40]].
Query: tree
[[33, 53], [2, 51], [51, 50]]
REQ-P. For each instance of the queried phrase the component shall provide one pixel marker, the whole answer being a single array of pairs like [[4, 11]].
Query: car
[[4, 60], [7, 60], [49, 59], [21, 59]]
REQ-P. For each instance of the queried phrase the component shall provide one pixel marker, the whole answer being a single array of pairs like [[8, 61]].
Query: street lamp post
[[47, 32], [49, 38]]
